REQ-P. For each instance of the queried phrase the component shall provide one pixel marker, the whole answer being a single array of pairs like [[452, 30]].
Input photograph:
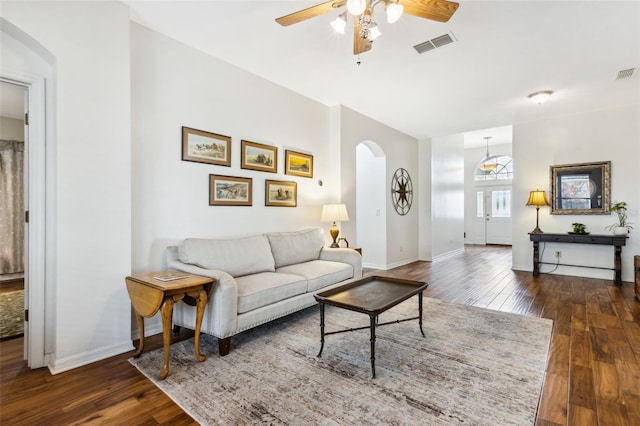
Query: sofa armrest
[[345, 255], [223, 300]]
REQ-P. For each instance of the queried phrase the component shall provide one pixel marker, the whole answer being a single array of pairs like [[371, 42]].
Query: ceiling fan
[[365, 27]]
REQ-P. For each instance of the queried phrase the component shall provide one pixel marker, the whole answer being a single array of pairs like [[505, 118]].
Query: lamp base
[[537, 231], [334, 231]]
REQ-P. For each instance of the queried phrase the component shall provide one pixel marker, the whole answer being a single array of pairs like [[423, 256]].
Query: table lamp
[[334, 213], [538, 199]]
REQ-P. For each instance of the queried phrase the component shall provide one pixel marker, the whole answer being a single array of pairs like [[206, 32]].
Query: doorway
[[12, 191], [493, 215], [371, 216]]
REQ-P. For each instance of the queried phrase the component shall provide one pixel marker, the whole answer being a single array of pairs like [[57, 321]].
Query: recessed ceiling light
[[541, 96]]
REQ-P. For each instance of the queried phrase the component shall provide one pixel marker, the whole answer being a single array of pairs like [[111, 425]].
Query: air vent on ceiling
[[626, 73], [434, 43]]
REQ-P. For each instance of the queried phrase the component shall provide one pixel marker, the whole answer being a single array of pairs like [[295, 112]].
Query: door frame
[[35, 229]]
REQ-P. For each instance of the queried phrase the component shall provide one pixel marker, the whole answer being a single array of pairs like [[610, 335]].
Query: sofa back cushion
[[296, 247], [237, 257]]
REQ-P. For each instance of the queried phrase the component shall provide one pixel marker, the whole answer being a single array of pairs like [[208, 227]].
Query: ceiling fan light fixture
[[339, 23], [541, 96], [374, 32], [394, 12], [356, 7]]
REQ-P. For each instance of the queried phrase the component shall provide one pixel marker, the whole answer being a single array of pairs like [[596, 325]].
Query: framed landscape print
[[230, 191], [280, 193], [205, 147], [256, 156], [298, 164]]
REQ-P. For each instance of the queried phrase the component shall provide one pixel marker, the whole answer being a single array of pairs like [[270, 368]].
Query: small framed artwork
[[256, 156], [230, 191], [298, 164], [280, 193], [205, 147]]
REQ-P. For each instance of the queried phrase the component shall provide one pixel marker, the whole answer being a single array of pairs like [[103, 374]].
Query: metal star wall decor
[[401, 191]]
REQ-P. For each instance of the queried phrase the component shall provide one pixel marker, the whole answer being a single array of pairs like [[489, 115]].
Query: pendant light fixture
[[487, 165]]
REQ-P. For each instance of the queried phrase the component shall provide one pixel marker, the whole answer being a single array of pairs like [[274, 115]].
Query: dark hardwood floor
[[593, 375]]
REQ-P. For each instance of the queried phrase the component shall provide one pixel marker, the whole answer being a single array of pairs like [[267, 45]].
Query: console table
[[610, 240]]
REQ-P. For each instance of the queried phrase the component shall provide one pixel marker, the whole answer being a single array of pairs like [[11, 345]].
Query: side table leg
[[321, 329], [372, 320], [140, 321], [167, 313], [201, 302]]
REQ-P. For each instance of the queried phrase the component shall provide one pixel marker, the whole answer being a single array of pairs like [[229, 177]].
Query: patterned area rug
[[11, 313], [475, 367]]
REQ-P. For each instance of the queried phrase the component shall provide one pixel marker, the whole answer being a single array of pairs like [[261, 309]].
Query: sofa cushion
[[296, 247], [265, 288], [320, 273], [237, 257]]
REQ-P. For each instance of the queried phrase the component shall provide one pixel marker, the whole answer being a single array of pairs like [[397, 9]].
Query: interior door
[[498, 215]]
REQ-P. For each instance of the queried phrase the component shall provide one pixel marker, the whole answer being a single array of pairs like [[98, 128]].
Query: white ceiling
[[504, 51]]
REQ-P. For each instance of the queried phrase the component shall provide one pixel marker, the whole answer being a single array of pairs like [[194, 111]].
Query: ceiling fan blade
[[310, 12], [437, 10], [360, 45]]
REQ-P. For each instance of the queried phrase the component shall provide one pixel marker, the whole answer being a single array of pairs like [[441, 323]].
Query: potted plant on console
[[621, 227]]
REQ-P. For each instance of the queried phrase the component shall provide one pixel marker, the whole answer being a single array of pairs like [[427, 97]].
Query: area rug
[[474, 367], [11, 313]]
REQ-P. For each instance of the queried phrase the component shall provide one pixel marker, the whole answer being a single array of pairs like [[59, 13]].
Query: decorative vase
[[620, 230]]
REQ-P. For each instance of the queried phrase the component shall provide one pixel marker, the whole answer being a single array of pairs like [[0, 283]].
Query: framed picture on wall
[[298, 164], [205, 147], [256, 156], [230, 191], [280, 193]]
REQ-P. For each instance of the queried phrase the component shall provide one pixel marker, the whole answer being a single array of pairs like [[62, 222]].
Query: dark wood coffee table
[[371, 296]]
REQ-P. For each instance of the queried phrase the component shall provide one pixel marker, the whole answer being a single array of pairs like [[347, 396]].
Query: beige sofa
[[259, 278]]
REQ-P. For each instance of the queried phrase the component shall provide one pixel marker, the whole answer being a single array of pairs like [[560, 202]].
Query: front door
[[493, 215], [498, 215]]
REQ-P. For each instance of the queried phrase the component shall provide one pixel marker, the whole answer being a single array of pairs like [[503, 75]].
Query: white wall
[[174, 85], [89, 42], [11, 129], [447, 195], [401, 151], [608, 135]]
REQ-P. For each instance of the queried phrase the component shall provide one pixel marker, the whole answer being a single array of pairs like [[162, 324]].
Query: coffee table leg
[[372, 319], [420, 312], [321, 328]]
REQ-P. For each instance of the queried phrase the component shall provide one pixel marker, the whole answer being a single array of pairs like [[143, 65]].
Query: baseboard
[[65, 364], [447, 254], [389, 266]]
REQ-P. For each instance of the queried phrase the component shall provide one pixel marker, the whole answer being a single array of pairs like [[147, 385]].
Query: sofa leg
[[176, 329], [224, 345]]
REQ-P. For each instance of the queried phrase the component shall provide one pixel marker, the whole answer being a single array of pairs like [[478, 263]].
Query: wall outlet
[[557, 254]]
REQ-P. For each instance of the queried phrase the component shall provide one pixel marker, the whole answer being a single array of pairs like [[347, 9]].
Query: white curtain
[[11, 207]]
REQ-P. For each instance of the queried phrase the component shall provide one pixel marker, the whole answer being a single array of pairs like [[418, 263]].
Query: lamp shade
[[394, 12], [356, 7], [334, 213], [537, 198]]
